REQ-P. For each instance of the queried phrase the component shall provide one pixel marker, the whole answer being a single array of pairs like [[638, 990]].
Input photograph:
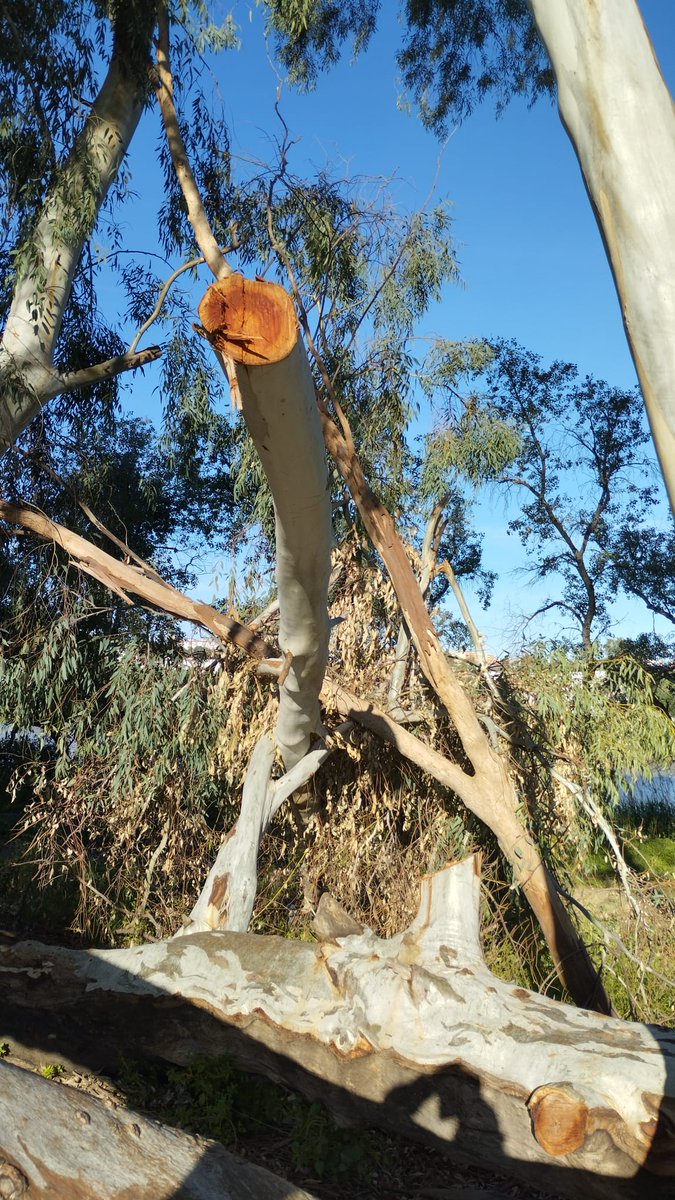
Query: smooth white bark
[[228, 896], [412, 1032], [619, 114], [41, 294], [279, 406]]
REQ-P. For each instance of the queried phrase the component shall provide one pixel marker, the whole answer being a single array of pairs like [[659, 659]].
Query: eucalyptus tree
[[365, 1015], [574, 450], [613, 101], [198, 216]]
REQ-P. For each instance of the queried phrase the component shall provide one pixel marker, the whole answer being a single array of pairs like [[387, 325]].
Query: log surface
[[61, 1143], [412, 1034]]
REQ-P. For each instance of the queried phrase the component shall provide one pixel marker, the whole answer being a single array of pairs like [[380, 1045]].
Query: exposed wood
[[412, 1034], [251, 320], [619, 114], [62, 1144]]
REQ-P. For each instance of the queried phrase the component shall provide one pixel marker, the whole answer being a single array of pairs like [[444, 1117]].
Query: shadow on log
[[411, 1034]]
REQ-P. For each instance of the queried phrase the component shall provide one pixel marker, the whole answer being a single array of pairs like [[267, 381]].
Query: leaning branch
[[127, 578]]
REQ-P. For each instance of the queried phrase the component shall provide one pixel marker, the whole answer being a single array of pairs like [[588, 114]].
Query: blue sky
[[531, 257]]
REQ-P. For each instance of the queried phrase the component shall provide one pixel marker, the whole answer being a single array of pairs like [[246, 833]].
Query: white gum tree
[[618, 111], [412, 1033]]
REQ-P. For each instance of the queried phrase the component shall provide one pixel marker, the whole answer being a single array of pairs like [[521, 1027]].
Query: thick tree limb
[[104, 370], [79, 1150], [228, 896], [36, 314], [489, 792], [619, 115], [126, 578], [254, 323], [412, 1034]]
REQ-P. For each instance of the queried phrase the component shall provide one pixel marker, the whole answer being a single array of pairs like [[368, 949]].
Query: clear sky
[[531, 257]]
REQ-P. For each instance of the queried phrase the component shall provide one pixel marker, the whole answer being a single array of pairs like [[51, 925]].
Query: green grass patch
[[653, 854], [212, 1098]]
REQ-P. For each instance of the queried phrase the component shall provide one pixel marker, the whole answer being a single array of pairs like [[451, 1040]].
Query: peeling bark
[[487, 790], [412, 1034]]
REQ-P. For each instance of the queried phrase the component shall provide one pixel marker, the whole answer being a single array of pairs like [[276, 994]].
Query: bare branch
[[197, 217], [130, 361]]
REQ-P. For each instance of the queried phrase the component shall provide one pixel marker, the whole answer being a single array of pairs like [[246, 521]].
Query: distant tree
[[575, 449], [640, 561]]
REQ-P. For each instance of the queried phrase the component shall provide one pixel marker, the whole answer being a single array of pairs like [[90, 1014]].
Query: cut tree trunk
[[79, 1150], [618, 112], [412, 1034], [253, 323]]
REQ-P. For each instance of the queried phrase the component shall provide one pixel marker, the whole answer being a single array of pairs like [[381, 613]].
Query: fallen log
[[412, 1034], [61, 1143]]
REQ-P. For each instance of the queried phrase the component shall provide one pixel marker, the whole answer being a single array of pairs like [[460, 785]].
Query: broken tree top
[[250, 320]]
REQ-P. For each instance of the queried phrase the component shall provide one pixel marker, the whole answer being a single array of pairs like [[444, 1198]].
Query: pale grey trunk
[[619, 114], [412, 1033], [28, 378], [279, 406]]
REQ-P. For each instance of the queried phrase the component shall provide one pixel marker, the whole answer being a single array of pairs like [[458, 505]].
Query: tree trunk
[[618, 111], [80, 1150], [27, 373], [254, 324], [411, 1034]]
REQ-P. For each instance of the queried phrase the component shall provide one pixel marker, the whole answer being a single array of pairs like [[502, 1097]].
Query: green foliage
[[310, 33], [599, 716], [655, 855], [455, 52], [573, 453], [641, 563], [51, 1070], [214, 1099]]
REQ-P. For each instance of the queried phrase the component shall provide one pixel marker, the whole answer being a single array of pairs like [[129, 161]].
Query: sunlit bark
[[619, 114]]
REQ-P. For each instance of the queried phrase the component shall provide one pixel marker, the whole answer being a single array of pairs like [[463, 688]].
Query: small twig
[[594, 812], [164, 291]]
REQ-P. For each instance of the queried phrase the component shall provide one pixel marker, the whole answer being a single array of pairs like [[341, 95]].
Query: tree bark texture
[[618, 112], [254, 324], [27, 373], [412, 1034], [78, 1149]]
